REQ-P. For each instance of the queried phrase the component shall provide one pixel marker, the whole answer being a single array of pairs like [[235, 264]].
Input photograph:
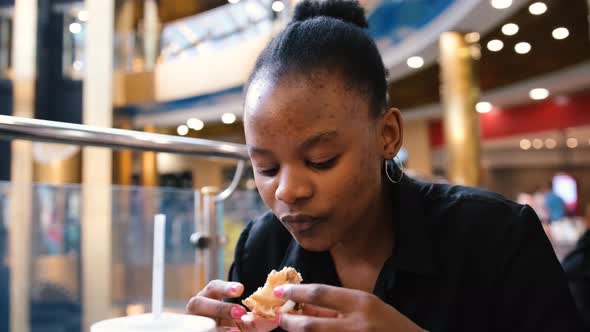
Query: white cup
[[167, 322]]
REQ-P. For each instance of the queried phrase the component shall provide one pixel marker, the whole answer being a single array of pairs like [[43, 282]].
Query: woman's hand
[[340, 309], [209, 303]]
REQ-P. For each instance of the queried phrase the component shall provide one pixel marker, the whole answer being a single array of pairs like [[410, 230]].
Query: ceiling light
[[483, 107], [495, 45], [522, 48], [539, 94], [525, 144], [195, 124], [78, 65], [278, 6], [415, 62], [228, 118], [182, 130], [83, 15], [560, 33], [537, 144], [501, 4], [233, 1], [510, 29], [472, 37], [550, 143], [572, 143], [538, 8], [75, 28]]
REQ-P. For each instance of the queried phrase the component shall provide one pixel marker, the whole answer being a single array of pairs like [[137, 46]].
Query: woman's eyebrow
[[318, 138], [252, 150]]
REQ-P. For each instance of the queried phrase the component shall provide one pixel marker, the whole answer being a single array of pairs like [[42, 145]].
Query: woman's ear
[[391, 132]]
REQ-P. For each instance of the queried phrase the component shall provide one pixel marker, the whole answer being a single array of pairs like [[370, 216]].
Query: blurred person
[[577, 269], [378, 251], [554, 204]]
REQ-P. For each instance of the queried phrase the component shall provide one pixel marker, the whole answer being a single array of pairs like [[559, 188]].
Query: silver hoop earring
[[388, 167]]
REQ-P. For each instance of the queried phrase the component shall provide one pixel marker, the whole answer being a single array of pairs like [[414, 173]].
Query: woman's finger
[[203, 306], [335, 298], [302, 323], [258, 325], [219, 289], [315, 311]]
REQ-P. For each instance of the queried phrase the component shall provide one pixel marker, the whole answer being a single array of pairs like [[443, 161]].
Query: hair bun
[[349, 11]]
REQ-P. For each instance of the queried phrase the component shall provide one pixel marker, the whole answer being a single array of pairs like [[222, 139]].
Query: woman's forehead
[[299, 98]]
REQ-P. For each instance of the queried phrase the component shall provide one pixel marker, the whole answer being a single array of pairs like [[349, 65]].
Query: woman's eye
[[268, 171], [323, 165]]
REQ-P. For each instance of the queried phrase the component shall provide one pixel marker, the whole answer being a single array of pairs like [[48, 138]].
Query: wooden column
[[24, 50], [97, 165], [459, 92]]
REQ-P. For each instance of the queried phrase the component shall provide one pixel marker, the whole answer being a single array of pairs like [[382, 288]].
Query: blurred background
[[112, 111]]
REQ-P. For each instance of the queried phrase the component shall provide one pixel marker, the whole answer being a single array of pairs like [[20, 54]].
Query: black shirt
[[464, 260]]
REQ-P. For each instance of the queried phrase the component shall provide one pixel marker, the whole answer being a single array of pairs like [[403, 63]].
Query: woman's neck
[[371, 240]]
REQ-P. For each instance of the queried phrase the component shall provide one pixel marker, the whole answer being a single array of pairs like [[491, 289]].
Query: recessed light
[[483, 107], [538, 8], [572, 143], [278, 6], [501, 4], [228, 118], [83, 15], [510, 29], [539, 94], [525, 144], [415, 62], [195, 124], [550, 143], [472, 37], [182, 130], [560, 33], [537, 144], [522, 48], [495, 45], [75, 28]]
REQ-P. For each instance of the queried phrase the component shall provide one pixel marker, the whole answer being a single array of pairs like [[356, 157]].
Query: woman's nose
[[293, 187]]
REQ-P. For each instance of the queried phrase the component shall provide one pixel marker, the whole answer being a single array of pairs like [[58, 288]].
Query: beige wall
[[209, 173], [417, 142]]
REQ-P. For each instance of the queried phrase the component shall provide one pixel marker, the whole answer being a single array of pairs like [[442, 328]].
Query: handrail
[[119, 139]]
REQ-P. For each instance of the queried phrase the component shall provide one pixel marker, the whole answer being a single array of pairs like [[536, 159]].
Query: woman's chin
[[317, 244]]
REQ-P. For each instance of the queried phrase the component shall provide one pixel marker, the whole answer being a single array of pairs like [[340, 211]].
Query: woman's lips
[[300, 223]]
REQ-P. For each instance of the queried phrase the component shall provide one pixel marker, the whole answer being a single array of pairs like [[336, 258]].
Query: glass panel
[[235, 212], [5, 45], [56, 276], [4, 271]]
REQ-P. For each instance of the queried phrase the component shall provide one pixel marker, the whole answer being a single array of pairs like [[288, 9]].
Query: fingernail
[[234, 288], [237, 312], [278, 319], [279, 291]]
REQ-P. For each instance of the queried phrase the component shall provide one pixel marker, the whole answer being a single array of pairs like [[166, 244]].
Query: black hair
[[328, 35]]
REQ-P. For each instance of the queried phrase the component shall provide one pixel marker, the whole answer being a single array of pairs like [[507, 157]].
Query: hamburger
[[264, 304]]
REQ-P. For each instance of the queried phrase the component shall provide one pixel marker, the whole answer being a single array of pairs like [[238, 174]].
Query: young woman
[[378, 251]]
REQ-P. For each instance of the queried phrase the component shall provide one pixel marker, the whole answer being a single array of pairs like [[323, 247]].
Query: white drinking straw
[[158, 266]]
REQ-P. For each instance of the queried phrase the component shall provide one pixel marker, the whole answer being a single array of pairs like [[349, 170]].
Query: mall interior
[[114, 111]]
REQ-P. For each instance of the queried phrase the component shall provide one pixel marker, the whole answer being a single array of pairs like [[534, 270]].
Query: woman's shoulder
[[469, 203], [477, 216]]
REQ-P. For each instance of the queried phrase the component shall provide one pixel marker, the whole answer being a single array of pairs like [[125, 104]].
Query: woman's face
[[317, 154]]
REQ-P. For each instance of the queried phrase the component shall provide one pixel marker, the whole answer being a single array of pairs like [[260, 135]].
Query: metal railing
[[209, 241]]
